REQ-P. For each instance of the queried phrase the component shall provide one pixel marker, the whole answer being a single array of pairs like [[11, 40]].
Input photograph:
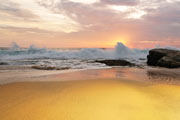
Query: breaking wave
[[120, 51], [60, 59]]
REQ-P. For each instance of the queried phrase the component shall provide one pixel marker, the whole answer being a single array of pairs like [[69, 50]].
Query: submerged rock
[[116, 62], [164, 58], [44, 67], [3, 63]]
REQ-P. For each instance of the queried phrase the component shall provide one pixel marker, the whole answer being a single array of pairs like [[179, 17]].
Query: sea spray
[[120, 51]]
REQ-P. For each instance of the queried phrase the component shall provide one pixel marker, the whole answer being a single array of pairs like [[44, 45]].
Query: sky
[[90, 23]]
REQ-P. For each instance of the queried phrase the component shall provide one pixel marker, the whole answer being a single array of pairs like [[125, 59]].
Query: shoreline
[[15, 74]]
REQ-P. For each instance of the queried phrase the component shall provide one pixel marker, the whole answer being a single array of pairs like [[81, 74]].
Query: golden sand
[[89, 100]]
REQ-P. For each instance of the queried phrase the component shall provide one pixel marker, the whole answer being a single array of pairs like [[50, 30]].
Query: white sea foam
[[120, 51]]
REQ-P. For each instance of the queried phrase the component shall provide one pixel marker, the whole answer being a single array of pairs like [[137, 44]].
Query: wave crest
[[120, 51]]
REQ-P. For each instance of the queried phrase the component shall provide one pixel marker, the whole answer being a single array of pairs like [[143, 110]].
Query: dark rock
[[44, 67], [142, 58], [116, 62], [3, 63], [164, 58]]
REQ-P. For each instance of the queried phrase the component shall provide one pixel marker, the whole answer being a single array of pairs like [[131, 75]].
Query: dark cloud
[[121, 2]]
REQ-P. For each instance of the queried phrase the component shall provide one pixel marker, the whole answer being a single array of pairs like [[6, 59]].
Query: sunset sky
[[90, 23]]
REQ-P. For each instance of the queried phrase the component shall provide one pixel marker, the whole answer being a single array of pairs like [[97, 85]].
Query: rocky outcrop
[[164, 58], [116, 62]]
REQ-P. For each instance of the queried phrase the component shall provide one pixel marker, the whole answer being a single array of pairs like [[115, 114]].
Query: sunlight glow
[[87, 100], [119, 8], [122, 39], [85, 1], [136, 15]]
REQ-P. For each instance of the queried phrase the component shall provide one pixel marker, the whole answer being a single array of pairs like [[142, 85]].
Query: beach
[[89, 60], [104, 94]]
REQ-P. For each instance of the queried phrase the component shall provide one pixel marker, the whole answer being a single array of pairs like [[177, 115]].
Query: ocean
[[69, 58], [59, 59]]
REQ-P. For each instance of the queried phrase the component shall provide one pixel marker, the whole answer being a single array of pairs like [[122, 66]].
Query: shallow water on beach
[[13, 74]]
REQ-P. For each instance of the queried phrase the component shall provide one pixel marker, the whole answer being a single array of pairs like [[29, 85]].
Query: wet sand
[[14, 74], [112, 94]]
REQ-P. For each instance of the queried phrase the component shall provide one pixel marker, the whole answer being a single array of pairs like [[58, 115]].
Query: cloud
[[30, 14], [97, 19], [158, 20], [90, 15], [85, 1], [24, 30], [8, 8], [162, 25], [167, 13], [121, 2]]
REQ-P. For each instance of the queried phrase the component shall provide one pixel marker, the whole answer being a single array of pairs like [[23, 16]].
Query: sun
[[113, 43], [121, 41]]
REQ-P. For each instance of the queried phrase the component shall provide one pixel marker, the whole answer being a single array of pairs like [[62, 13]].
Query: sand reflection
[[89, 100], [111, 94]]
